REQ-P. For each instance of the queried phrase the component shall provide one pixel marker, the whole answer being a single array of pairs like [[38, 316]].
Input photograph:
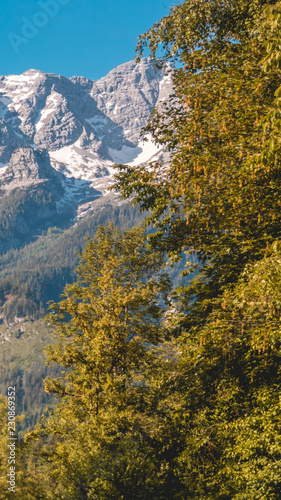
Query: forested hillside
[[33, 275], [174, 393], [30, 277], [22, 360]]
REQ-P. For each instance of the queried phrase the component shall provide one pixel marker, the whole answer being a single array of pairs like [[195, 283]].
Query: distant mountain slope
[[59, 139], [33, 275], [82, 126]]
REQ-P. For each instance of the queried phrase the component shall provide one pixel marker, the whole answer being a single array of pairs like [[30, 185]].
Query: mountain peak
[[84, 126]]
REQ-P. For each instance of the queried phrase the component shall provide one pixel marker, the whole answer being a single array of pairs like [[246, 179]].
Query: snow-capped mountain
[[70, 131]]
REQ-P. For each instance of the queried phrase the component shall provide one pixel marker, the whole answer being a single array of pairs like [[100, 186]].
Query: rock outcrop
[[63, 136]]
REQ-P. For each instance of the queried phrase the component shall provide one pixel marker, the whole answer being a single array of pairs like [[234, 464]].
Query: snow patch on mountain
[[3, 168], [144, 152], [50, 107], [79, 163], [25, 77], [76, 191]]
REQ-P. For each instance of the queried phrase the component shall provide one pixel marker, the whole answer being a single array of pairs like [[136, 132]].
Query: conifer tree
[[107, 319]]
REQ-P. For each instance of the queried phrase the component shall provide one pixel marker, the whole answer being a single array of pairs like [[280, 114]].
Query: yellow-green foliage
[[194, 414]]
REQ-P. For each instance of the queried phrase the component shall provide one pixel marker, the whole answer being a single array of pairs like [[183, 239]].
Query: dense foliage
[[179, 397], [107, 327], [21, 209], [220, 197], [220, 194]]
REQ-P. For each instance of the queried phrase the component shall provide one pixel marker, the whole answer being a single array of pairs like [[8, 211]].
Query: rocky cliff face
[[66, 134], [30, 191], [53, 112], [28, 166]]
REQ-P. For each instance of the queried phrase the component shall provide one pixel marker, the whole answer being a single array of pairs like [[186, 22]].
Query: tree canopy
[[220, 194], [219, 197], [108, 329], [176, 395]]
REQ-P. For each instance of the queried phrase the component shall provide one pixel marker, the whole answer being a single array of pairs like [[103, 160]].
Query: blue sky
[[73, 37]]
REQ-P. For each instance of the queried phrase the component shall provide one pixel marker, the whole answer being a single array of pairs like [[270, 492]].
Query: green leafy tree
[[220, 194], [219, 198], [198, 416], [229, 373], [108, 326], [107, 318]]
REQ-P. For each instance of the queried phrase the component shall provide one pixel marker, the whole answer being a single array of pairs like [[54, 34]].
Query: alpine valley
[[59, 140]]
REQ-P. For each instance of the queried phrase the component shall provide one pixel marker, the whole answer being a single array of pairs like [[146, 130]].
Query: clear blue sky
[[73, 37]]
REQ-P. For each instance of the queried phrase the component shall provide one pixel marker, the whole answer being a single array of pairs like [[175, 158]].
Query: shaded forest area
[[33, 275]]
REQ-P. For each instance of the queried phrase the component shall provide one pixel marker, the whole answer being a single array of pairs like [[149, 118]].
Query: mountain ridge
[[80, 127]]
